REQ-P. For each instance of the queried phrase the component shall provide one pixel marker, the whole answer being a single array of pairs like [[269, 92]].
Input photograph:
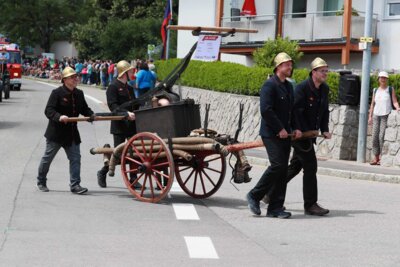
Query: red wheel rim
[[203, 175], [147, 156]]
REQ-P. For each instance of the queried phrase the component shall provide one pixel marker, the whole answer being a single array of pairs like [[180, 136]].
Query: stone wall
[[343, 124], [391, 146]]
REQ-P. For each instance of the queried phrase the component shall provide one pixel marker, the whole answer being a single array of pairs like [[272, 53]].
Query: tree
[[122, 29], [264, 57], [41, 22]]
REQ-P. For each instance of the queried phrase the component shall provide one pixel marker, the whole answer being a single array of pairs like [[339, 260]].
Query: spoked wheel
[[147, 167], [202, 176]]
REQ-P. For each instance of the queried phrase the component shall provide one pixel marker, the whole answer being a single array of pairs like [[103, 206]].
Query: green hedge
[[239, 79]]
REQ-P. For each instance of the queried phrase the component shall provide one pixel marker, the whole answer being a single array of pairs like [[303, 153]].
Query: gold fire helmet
[[281, 58], [67, 72], [318, 63], [122, 67]]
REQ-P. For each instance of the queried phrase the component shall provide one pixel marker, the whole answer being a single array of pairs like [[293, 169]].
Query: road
[[109, 227]]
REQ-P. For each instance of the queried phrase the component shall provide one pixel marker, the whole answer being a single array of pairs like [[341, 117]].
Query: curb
[[357, 175]]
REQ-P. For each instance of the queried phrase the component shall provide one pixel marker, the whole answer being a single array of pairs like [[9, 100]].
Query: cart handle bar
[[97, 118]]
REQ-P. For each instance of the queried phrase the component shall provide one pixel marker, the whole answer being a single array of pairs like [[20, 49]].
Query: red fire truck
[[14, 66]]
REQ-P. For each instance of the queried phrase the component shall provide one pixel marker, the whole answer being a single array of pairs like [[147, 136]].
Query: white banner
[[208, 48]]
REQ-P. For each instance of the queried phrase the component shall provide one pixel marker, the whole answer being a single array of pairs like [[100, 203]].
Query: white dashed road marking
[[86, 96], [200, 247], [185, 212], [52, 85]]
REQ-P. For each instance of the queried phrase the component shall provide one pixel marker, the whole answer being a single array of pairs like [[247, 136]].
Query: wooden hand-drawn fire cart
[[162, 150]]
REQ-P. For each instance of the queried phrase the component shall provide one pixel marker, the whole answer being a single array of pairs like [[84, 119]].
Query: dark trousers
[[304, 158], [74, 156], [274, 178], [118, 139]]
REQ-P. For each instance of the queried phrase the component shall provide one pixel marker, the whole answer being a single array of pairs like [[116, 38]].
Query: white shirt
[[383, 103]]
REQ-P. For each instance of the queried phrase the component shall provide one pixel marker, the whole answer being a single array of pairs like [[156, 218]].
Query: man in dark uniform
[[311, 110], [65, 101], [118, 93], [276, 103]]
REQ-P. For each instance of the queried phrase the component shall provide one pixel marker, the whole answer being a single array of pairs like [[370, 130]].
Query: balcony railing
[[265, 24], [308, 27], [323, 26]]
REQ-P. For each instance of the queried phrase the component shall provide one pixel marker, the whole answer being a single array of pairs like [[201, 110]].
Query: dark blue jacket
[[276, 103], [311, 107]]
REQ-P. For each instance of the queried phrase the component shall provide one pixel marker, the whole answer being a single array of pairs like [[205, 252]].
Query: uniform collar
[[69, 91]]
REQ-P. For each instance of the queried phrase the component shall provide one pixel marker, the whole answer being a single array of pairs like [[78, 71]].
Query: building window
[[393, 8], [332, 5], [299, 6]]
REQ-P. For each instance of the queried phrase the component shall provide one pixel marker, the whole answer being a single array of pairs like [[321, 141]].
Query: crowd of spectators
[[91, 72]]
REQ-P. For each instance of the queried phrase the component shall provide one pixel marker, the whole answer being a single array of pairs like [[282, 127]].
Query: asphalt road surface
[[109, 227]]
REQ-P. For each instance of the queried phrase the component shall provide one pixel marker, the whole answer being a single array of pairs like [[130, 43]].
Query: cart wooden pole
[[210, 29]]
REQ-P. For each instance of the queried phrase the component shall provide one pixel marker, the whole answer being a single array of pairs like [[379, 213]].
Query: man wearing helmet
[[311, 110], [65, 101], [276, 103], [118, 93]]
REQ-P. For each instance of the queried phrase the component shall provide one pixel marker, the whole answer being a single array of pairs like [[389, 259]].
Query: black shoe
[[77, 189], [253, 204], [137, 186], [101, 178], [42, 187], [316, 210], [281, 214]]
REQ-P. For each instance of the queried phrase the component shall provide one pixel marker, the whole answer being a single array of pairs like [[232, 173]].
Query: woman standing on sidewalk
[[383, 101]]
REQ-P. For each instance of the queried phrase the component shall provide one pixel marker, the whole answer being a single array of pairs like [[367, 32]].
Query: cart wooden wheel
[[147, 159], [202, 176]]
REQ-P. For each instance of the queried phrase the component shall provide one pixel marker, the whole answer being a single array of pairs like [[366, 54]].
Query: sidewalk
[[339, 168]]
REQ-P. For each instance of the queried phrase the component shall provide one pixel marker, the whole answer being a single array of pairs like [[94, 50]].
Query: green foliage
[[111, 29], [125, 39], [333, 82], [354, 12], [89, 39], [218, 76], [236, 78], [123, 29], [300, 75], [31, 22], [264, 56]]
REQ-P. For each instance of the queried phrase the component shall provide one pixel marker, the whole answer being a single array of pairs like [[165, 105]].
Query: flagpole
[[168, 32]]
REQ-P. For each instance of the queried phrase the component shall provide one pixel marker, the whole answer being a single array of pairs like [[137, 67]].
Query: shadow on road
[[8, 125]]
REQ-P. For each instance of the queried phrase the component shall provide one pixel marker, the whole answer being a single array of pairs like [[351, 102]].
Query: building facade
[[327, 28]]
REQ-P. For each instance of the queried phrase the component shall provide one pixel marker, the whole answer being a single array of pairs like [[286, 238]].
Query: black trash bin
[[349, 89]]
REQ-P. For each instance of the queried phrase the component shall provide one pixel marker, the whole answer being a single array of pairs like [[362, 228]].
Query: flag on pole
[[165, 23]]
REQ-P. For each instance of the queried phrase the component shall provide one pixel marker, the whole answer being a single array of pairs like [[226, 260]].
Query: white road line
[[200, 247], [86, 95], [93, 99], [185, 212], [52, 85]]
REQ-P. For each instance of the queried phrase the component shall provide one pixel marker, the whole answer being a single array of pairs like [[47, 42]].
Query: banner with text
[[208, 48]]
